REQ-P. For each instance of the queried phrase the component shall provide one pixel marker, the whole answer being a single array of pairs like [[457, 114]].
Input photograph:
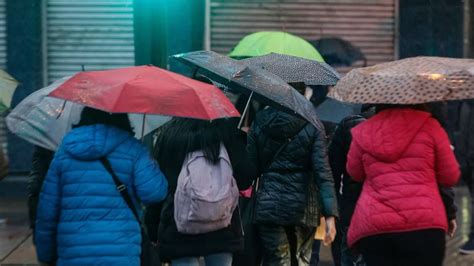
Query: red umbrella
[[146, 90]]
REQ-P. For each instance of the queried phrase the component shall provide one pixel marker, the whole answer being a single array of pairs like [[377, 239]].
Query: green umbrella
[[266, 42], [7, 87]]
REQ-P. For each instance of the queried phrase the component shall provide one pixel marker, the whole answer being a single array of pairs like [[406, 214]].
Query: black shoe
[[468, 247]]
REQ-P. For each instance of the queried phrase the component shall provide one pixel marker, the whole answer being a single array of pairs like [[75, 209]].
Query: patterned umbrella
[[408, 81], [296, 69], [256, 82]]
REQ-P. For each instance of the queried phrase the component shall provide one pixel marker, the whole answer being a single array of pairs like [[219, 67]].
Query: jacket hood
[[387, 135], [89, 143], [278, 124]]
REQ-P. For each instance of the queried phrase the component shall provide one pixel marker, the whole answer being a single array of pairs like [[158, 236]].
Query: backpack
[[206, 195]]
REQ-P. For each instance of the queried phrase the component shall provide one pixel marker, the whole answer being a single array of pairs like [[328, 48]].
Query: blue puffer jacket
[[82, 219]]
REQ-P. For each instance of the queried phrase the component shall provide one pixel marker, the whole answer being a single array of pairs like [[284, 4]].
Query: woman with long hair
[[178, 139], [402, 154], [82, 218]]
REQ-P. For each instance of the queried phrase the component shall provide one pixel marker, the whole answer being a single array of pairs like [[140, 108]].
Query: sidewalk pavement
[[16, 246]]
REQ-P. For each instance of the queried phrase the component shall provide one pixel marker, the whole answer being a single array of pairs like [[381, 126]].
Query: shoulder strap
[[122, 189]]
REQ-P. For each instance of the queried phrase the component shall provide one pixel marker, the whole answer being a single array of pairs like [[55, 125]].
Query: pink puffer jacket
[[401, 155]]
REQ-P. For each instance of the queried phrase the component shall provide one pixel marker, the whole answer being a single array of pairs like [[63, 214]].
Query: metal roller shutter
[[3, 65], [95, 33], [368, 24]]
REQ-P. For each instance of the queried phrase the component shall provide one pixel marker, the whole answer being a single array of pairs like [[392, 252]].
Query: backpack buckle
[[121, 188]]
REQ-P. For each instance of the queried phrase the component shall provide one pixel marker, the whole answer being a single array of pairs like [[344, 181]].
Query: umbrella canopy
[[263, 85], [294, 69], [334, 111], [338, 52], [146, 90], [266, 42], [408, 81], [44, 121], [7, 87]]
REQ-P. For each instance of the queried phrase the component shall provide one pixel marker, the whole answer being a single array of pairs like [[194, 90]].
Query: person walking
[[295, 187], [348, 189], [82, 218], [464, 148], [201, 159], [40, 164], [402, 154]]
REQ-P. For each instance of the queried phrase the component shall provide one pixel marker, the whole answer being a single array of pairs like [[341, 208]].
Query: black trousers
[[286, 245], [416, 248], [468, 178]]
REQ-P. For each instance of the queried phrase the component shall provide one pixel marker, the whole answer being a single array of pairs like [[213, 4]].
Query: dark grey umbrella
[[294, 69], [253, 81], [334, 111], [338, 52]]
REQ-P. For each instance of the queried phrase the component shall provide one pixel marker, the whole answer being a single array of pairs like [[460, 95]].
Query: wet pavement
[[16, 248]]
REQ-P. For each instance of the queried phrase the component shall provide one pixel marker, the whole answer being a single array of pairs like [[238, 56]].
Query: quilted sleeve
[[337, 157], [323, 174], [150, 184], [446, 165], [355, 166], [48, 215]]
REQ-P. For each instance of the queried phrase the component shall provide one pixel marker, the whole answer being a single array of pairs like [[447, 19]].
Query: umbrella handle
[[62, 110], [143, 128], [242, 117]]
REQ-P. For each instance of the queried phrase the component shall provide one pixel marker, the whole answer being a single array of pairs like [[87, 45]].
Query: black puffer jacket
[[297, 184], [338, 150]]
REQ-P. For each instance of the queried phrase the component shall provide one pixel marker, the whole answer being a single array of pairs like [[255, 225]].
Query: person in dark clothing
[[464, 149], [295, 188], [347, 200], [318, 96], [40, 164], [176, 139]]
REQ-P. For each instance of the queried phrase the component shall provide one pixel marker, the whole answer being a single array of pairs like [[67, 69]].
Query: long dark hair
[[91, 116], [182, 136]]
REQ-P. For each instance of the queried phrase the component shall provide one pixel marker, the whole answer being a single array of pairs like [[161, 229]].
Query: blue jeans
[[218, 259]]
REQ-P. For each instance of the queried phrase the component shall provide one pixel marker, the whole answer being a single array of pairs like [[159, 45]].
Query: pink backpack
[[206, 195]]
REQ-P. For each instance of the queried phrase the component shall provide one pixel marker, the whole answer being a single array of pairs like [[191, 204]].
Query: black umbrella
[[294, 69], [334, 111], [338, 52], [253, 81]]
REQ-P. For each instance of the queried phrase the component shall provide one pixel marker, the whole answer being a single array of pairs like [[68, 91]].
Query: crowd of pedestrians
[[225, 190]]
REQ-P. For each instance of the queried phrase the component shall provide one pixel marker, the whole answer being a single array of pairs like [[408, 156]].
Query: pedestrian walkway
[[453, 258], [16, 246], [17, 249]]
